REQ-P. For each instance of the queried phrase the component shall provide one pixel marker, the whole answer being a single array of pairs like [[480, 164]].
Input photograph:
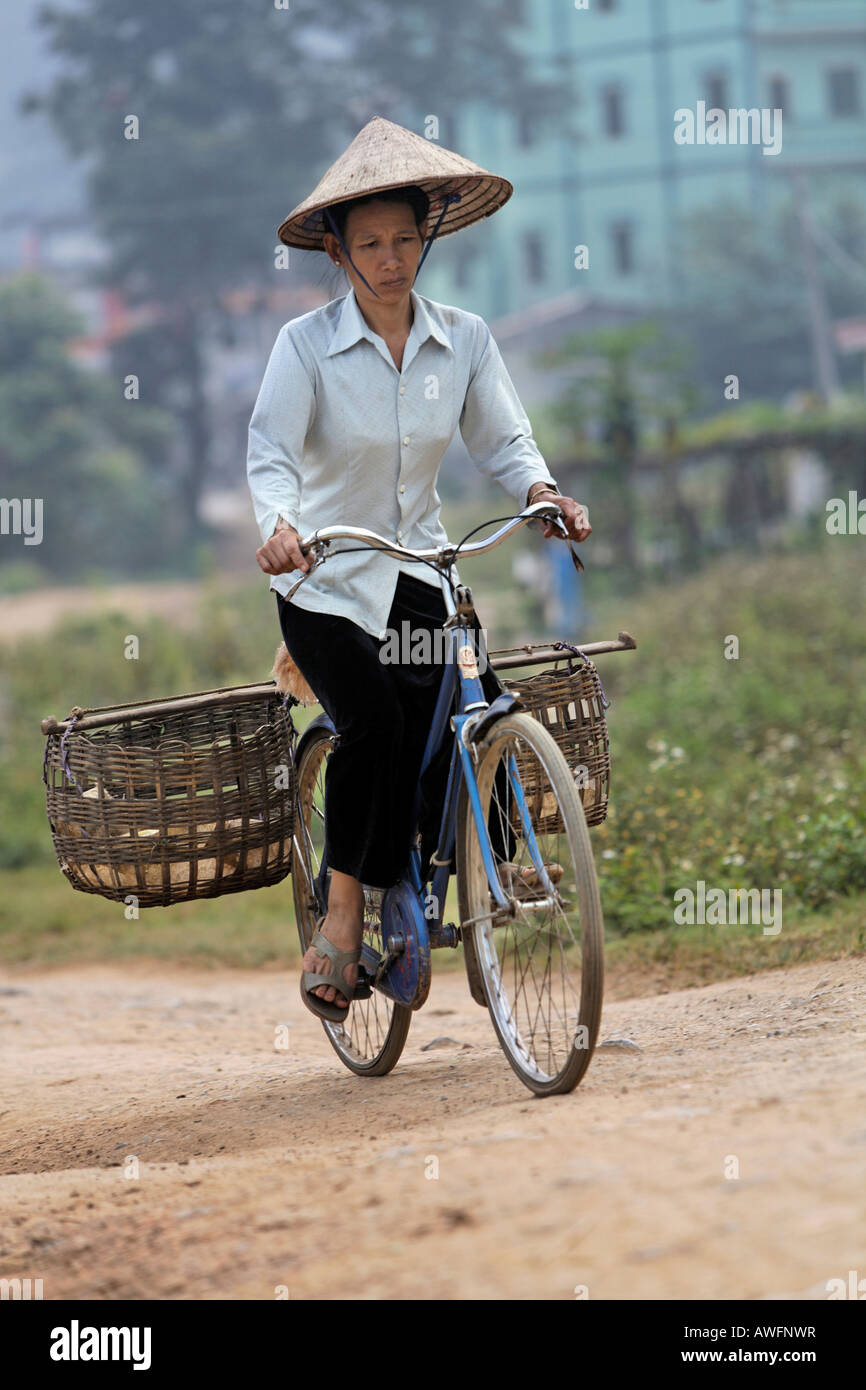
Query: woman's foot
[[344, 927]]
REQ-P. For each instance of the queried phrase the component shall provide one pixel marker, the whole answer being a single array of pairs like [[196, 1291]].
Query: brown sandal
[[332, 1011]]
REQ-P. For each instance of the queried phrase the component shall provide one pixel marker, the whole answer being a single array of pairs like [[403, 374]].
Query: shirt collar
[[352, 326]]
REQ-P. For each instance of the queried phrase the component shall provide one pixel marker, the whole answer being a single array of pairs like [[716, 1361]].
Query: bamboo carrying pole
[[536, 655], [98, 718], [530, 655]]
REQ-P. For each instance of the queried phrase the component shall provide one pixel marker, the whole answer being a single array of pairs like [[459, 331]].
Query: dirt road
[[259, 1167], [26, 615]]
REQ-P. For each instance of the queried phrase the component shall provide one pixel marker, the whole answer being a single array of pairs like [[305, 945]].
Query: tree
[[627, 384], [201, 123], [742, 296], [68, 439]]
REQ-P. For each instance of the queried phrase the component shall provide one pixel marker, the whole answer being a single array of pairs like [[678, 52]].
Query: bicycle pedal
[[368, 966], [363, 985]]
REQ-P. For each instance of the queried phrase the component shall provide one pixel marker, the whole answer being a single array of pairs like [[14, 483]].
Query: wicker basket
[[174, 799], [570, 703]]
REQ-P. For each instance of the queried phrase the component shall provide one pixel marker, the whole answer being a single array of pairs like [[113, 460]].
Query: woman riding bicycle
[[359, 401]]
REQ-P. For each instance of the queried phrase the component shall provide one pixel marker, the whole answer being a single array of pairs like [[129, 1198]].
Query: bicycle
[[530, 917]]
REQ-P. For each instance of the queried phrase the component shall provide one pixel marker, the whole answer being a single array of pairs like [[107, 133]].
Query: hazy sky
[[37, 179]]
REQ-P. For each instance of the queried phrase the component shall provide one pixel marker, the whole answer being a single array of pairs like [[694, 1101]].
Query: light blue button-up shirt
[[339, 436]]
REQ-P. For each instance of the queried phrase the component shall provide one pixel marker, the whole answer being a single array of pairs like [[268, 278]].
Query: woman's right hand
[[282, 553]]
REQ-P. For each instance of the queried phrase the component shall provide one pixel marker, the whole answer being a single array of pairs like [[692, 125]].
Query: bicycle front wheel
[[541, 959]]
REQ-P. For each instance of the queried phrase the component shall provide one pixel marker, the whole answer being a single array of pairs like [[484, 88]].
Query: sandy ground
[[260, 1168]]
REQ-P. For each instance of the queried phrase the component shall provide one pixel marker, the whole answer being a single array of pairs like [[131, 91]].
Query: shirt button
[[399, 535], [402, 487], [405, 439], [402, 390]]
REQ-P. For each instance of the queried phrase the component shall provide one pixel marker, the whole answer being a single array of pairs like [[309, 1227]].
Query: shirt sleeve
[[281, 417], [495, 427]]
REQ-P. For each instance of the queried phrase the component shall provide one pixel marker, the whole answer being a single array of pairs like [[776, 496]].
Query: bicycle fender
[[504, 704], [321, 721]]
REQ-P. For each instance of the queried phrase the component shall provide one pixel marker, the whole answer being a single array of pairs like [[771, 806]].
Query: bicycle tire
[[485, 955]]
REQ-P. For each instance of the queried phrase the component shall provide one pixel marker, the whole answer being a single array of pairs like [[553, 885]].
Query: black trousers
[[382, 712]]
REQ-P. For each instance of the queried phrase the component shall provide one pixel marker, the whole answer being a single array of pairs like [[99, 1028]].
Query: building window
[[716, 90], [533, 254], [448, 132], [464, 265], [612, 110], [843, 90], [526, 130], [622, 242], [780, 95]]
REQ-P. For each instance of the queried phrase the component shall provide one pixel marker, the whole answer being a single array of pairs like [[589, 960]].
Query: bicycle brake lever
[[560, 525], [317, 560], [575, 558]]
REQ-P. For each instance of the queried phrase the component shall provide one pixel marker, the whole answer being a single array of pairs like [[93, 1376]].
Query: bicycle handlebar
[[442, 555]]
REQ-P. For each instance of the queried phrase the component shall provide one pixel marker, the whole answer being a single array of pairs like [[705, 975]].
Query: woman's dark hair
[[411, 194]]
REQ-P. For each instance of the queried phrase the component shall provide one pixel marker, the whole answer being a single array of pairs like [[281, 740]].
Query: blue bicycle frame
[[460, 703], [412, 918], [462, 672]]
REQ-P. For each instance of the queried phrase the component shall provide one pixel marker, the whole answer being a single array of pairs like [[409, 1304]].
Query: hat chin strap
[[335, 229], [448, 199]]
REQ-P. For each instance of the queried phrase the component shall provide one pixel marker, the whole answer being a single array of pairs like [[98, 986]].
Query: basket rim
[[96, 716], [588, 671]]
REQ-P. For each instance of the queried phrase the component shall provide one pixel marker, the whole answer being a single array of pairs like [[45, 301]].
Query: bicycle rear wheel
[[541, 960], [374, 1033]]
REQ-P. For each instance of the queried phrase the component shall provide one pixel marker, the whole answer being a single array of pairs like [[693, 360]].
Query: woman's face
[[385, 245]]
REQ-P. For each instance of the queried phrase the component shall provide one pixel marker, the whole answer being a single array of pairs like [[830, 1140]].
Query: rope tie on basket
[[293, 736], [287, 704], [76, 713], [567, 647]]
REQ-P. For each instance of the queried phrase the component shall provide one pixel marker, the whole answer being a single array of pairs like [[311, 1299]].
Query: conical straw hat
[[384, 155]]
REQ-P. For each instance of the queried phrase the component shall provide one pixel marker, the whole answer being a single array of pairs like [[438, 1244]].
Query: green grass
[[682, 957], [743, 773], [747, 772], [43, 923]]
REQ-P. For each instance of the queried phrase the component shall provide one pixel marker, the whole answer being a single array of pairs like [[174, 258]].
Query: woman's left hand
[[574, 514]]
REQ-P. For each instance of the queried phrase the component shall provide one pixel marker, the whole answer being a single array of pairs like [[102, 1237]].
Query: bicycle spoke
[[362, 1035], [534, 959]]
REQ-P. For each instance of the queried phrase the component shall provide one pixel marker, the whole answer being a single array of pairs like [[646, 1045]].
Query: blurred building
[[618, 182], [542, 327]]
